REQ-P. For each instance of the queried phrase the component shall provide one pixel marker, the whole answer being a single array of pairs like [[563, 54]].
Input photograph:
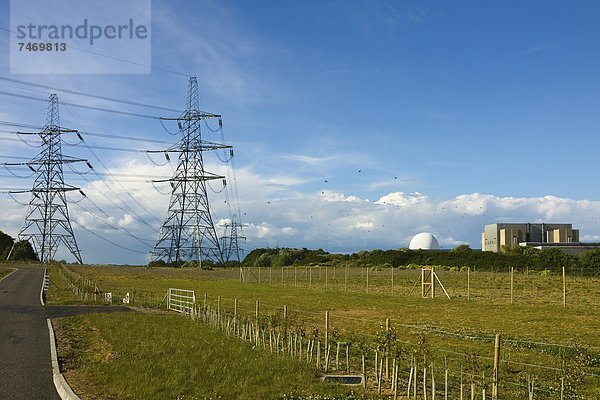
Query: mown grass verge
[[4, 271], [149, 356], [455, 332]]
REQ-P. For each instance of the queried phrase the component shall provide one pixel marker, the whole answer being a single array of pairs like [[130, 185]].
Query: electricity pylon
[[231, 240], [188, 232], [47, 223]]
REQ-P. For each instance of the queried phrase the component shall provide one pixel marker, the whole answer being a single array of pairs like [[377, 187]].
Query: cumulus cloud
[[276, 212]]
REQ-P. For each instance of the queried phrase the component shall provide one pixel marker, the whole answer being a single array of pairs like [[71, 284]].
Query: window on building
[[569, 239], [515, 240]]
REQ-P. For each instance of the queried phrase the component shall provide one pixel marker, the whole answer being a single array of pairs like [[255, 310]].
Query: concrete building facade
[[497, 237]]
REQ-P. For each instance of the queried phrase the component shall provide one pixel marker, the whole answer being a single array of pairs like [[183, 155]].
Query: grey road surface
[[25, 369]]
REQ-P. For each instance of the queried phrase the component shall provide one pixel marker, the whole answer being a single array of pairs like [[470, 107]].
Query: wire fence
[[392, 357]]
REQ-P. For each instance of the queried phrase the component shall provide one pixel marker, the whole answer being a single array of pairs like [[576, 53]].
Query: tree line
[[552, 259], [22, 250]]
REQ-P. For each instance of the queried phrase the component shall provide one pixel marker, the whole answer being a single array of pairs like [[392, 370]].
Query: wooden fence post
[[326, 329], [387, 356], [285, 321], [346, 278], [468, 283], [392, 280], [512, 279], [495, 381], [235, 307], [257, 310], [564, 286]]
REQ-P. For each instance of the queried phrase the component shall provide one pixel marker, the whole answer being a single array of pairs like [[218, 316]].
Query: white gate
[[181, 300]]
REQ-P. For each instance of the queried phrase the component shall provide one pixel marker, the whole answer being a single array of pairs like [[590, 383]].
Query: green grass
[[536, 316], [539, 321], [149, 356], [59, 292], [4, 271]]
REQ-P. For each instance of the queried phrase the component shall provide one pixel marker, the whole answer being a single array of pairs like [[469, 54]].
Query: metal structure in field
[[47, 224], [188, 233], [231, 240], [181, 300]]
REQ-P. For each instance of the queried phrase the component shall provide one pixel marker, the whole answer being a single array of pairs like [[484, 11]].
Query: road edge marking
[[62, 387], [6, 276], [42, 289]]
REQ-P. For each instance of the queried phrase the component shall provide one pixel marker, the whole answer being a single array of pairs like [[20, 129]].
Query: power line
[[108, 240], [95, 96], [131, 114], [113, 226], [85, 133], [47, 223], [118, 58], [132, 211]]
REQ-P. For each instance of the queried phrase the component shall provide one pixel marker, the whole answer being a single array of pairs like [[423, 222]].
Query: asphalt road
[[25, 369]]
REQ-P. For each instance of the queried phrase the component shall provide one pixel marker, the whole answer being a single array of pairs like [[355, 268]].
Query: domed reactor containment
[[424, 241]]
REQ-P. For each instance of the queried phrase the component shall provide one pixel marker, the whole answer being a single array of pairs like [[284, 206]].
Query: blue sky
[[357, 124]]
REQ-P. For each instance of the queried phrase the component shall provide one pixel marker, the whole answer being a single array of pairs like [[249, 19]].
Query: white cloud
[[276, 213], [225, 54]]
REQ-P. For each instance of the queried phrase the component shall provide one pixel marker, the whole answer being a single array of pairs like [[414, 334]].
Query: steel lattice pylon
[[231, 240], [47, 223], [188, 232]]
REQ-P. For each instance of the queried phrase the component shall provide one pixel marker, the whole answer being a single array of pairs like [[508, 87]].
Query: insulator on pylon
[[188, 232], [46, 231]]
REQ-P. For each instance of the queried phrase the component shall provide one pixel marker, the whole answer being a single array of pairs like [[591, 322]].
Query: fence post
[[205, 300], [235, 307], [387, 355], [512, 279], [496, 367], [285, 321], [564, 286], [367, 279], [346, 278], [468, 283], [169, 300], [219, 305], [392, 280], [432, 282], [326, 328], [257, 309]]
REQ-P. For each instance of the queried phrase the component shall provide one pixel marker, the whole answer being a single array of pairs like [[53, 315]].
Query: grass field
[[5, 271], [536, 330], [150, 356]]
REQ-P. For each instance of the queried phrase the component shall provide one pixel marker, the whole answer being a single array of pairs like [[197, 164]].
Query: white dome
[[424, 241]]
